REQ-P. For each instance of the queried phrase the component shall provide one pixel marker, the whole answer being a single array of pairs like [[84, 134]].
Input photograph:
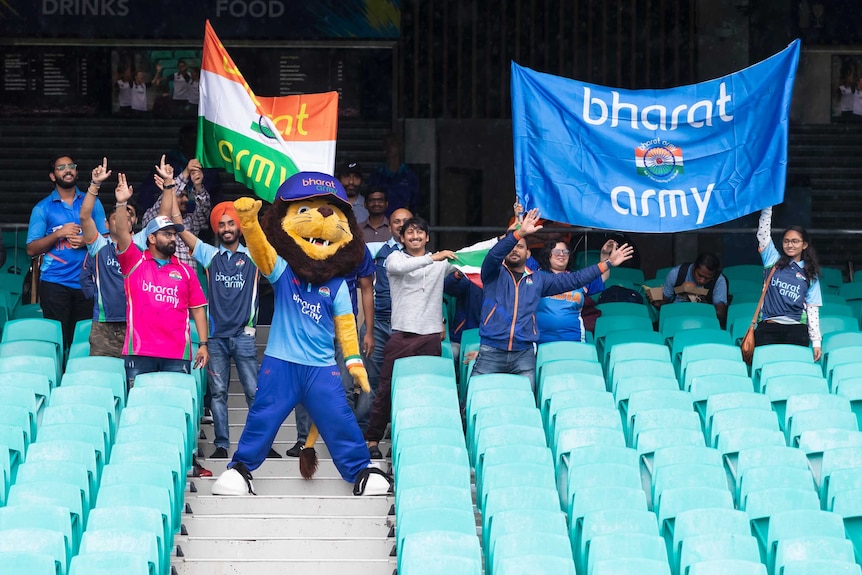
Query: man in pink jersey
[[161, 292]]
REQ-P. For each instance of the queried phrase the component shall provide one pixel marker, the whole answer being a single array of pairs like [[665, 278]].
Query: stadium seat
[[625, 546], [36, 541], [714, 546], [703, 367], [49, 330], [623, 308], [29, 562], [778, 370], [129, 540], [113, 381], [705, 386], [800, 523], [606, 325], [725, 566], [109, 563], [778, 353], [441, 519], [526, 454], [812, 548], [611, 521], [673, 325], [762, 504], [732, 400], [709, 521], [525, 544], [819, 419], [831, 324], [820, 566], [615, 338], [640, 368], [745, 272], [685, 353], [423, 364]]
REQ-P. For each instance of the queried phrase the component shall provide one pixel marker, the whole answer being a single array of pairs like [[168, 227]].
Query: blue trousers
[[280, 386]]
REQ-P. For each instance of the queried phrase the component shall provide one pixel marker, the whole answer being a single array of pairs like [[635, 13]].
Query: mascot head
[[312, 226]]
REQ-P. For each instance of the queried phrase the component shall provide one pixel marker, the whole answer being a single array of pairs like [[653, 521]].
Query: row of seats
[[434, 520], [755, 492], [104, 476], [93, 477]]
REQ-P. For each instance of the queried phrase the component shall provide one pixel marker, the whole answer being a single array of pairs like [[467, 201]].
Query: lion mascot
[[304, 245]]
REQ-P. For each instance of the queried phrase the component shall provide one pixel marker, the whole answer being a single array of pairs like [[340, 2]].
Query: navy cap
[[305, 185]]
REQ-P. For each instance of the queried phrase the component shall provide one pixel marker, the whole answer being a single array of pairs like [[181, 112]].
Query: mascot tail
[[308, 456]]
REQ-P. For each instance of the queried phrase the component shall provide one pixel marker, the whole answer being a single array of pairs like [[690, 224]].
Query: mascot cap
[[304, 185], [221, 209]]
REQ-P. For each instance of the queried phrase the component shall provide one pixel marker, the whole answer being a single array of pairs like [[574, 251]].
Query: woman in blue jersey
[[791, 307], [558, 317]]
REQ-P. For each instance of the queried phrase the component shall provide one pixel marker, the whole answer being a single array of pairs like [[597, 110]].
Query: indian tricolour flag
[[261, 141], [470, 260]]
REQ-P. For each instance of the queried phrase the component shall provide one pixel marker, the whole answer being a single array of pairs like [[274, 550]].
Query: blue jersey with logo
[[232, 279], [789, 290], [382, 298], [364, 270], [303, 325], [559, 316], [62, 263], [102, 279]]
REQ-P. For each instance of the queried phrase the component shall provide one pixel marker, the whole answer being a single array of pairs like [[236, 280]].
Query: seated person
[[704, 273]]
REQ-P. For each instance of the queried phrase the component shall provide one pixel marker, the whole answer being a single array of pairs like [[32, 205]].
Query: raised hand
[[247, 209], [166, 171], [123, 191], [607, 249], [101, 173], [530, 225], [621, 254]]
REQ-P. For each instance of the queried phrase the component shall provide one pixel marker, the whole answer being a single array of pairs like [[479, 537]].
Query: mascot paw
[[372, 481], [247, 209], [360, 378], [235, 481]]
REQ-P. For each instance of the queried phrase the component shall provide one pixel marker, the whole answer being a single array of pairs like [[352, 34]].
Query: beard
[[61, 183], [168, 248], [234, 238]]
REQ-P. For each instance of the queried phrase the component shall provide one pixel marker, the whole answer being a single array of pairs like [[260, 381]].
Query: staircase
[[292, 525], [827, 157]]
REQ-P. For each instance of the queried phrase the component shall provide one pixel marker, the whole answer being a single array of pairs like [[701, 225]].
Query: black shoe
[[374, 453], [207, 417], [296, 449], [219, 453], [273, 454]]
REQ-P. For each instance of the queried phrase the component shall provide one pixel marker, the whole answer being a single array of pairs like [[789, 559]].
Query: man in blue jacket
[[512, 292]]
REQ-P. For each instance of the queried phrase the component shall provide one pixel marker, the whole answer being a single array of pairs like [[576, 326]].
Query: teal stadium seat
[[36, 541], [109, 563], [31, 563]]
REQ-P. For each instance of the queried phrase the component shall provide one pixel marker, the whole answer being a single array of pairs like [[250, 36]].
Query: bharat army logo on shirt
[[324, 291], [658, 159], [175, 275]]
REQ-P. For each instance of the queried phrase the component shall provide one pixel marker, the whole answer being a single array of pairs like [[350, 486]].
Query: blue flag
[[653, 160]]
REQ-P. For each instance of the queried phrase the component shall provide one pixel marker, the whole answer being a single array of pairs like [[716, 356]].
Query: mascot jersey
[[302, 325]]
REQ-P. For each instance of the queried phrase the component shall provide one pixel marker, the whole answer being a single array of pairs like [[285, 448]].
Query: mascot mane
[[342, 263]]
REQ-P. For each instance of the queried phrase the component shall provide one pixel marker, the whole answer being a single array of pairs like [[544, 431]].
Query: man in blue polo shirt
[[55, 231]]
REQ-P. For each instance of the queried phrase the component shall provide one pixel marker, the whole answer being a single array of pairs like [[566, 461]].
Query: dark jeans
[[138, 364], [66, 305], [768, 333], [400, 344]]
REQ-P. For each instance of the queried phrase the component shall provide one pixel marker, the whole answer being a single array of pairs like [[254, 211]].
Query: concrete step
[[275, 468], [281, 526], [285, 548], [286, 504], [272, 486], [297, 565]]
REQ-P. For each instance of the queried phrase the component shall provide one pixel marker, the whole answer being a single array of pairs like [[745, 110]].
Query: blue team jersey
[[62, 264], [232, 280], [559, 316], [382, 298], [789, 290], [303, 326], [363, 270]]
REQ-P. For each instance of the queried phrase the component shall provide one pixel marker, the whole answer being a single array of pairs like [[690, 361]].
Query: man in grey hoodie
[[416, 283]]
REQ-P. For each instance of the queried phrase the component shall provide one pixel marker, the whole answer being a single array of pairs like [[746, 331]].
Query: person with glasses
[[791, 306], [55, 233], [558, 316]]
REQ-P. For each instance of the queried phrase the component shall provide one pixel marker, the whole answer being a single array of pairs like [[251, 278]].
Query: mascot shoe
[[372, 481], [235, 481]]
